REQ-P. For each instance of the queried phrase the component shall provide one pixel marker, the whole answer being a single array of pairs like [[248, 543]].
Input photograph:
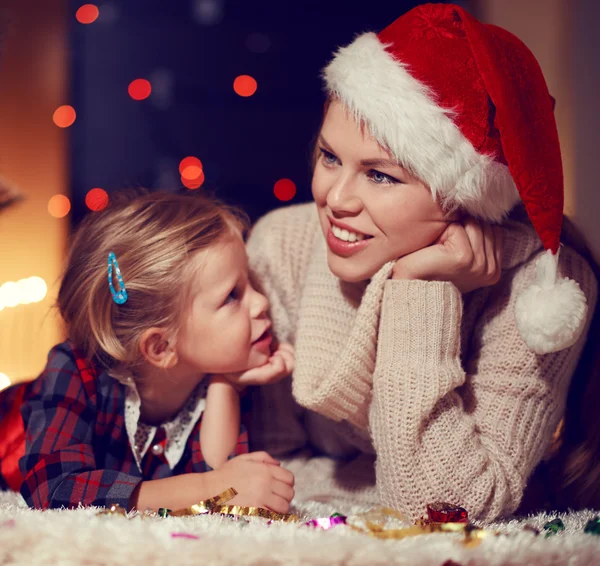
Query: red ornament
[[446, 513]]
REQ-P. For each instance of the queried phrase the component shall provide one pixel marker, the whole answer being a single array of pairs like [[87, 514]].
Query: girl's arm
[[467, 436], [59, 466], [257, 477], [220, 426]]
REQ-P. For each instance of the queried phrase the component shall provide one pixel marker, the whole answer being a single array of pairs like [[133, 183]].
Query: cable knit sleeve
[[278, 247], [469, 433]]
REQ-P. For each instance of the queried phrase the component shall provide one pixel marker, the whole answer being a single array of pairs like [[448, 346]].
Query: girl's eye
[[232, 297], [380, 178], [328, 158]]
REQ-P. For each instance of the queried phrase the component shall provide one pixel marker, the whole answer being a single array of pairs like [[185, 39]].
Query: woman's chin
[[348, 270]]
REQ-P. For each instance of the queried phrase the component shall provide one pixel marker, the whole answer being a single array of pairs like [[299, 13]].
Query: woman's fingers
[[499, 246], [475, 233], [489, 242]]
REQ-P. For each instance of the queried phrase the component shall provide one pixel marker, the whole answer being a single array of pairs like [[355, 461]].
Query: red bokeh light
[[285, 189], [87, 14], [187, 163], [96, 199], [64, 116], [245, 85], [59, 206], [193, 183], [139, 89]]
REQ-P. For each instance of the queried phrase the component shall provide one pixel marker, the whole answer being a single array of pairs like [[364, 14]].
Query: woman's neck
[[163, 394]]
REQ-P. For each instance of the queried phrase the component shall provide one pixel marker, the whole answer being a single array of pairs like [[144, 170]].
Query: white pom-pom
[[550, 314]]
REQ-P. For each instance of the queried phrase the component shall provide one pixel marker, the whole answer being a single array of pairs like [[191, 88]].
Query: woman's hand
[[468, 254], [259, 480], [278, 366]]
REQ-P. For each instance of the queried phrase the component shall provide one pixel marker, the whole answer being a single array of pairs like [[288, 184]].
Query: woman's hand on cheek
[[468, 254], [277, 367]]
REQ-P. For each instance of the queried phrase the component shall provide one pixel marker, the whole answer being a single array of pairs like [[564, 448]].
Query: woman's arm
[[471, 438], [220, 425]]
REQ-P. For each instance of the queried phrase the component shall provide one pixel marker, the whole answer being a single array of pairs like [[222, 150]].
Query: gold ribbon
[[216, 505]]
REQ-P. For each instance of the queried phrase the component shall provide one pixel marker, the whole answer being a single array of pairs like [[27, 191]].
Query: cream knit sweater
[[438, 386]]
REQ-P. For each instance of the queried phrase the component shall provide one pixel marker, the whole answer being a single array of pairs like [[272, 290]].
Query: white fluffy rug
[[83, 537]]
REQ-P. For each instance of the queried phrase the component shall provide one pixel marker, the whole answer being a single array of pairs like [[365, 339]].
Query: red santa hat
[[464, 106]]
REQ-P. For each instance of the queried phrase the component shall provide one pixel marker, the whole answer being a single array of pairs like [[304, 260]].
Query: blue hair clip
[[119, 296]]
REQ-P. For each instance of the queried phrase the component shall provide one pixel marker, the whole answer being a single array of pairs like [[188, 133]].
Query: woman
[[435, 342]]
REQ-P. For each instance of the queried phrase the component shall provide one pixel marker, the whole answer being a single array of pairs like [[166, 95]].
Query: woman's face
[[371, 210]]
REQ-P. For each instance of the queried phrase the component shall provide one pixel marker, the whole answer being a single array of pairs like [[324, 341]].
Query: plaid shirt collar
[[177, 430]]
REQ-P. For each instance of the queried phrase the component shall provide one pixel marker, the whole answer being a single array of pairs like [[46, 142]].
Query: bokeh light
[[193, 183], [186, 163], [23, 292], [59, 206], [208, 12], [4, 381], [139, 89], [64, 116], [285, 189], [245, 85], [191, 172], [87, 14], [32, 290], [10, 294], [96, 199]]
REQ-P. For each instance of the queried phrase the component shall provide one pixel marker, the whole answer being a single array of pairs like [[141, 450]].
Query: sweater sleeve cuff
[[420, 323]]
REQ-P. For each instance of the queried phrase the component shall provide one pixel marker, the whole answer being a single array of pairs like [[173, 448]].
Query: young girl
[[141, 406]]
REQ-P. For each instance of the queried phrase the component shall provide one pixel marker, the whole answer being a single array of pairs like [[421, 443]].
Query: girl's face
[[226, 328], [371, 210]]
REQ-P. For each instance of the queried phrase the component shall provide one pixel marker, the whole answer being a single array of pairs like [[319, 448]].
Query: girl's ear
[[157, 350]]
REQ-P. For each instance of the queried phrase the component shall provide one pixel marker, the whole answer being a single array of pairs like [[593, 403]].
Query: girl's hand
[[279, 365], [468, 254], [259, 480]]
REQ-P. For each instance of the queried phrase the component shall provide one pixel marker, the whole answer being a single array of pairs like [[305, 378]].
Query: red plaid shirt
[[76, 444]]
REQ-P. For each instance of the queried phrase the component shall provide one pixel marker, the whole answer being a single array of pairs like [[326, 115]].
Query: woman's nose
[[342, 196]]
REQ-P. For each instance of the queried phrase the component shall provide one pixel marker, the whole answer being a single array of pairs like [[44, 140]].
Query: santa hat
[[464, 107]]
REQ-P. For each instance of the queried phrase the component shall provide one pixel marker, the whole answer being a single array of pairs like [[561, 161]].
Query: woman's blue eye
[[328, 157], [380, 178]]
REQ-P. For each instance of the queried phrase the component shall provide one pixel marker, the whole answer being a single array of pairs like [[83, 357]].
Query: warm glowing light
[[191, 172], [10, 294], [193, 183], [59, 206], [87, 14], [96, 199], [139, 89], [4, 381], [189, 161], [285, 189], [245, 85], [23, 292], [64, 116]]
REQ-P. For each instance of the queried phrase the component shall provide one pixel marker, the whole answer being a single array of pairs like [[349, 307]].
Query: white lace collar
[[177, 430]]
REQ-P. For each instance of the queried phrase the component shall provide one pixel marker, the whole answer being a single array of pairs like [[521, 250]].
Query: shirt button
[[157, 449]]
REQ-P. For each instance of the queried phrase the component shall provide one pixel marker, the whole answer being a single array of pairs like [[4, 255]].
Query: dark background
[[191, 51]]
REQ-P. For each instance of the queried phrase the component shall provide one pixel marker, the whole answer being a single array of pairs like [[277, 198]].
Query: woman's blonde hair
[[152, 236]]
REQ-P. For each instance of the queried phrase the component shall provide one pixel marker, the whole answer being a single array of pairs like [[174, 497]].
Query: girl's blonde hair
[[152, 236]]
